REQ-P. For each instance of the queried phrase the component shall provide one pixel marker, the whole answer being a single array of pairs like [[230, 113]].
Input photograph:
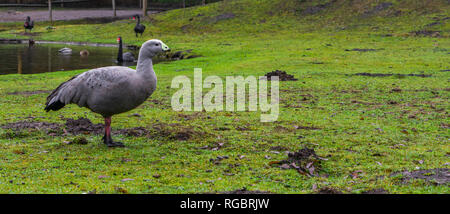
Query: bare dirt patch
[[21, 126], [306, 127], [438, 176], [430, 33], [376, 191], [282, 75], [329, 190], [83, 126], [305, 161]]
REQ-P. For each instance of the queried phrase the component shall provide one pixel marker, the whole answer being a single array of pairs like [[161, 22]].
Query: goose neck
[[145, 65]]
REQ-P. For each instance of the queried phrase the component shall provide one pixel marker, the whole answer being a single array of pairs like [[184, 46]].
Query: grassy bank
[[366, 127]]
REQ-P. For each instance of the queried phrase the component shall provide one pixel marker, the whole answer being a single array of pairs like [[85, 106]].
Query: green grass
[[359, 128]]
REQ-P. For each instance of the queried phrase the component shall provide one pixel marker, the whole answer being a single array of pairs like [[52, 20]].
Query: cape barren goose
[[110, 90]]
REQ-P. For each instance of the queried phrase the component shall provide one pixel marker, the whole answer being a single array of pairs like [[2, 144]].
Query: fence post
[[144, 8], [50, 12], [114, 7]]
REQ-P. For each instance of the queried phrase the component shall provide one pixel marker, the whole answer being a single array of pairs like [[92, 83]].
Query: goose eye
[[157, 44]]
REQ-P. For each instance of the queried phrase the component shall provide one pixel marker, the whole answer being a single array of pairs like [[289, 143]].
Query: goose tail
[[53, 101]]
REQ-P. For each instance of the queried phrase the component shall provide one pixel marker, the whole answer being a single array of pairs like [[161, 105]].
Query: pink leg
[[108, 127], [107, 138]]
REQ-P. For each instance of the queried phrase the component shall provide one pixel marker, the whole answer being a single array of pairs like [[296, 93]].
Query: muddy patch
[[306, 127], [183, 135], [18, 128], [376, 191], [429, 33], [329, 190], [83, 126], [391, 74], [282, 75], [305, 161], [28, 93], [438, 176]]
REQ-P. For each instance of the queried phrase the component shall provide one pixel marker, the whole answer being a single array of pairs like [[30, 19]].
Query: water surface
[[40, 58]]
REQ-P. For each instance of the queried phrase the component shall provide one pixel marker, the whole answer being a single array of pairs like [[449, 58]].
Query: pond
[[40, 58]]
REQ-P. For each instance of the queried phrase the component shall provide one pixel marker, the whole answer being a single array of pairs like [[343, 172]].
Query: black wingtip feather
[[55, 106]]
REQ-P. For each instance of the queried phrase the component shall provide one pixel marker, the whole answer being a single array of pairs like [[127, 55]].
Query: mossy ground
[[378, 125]]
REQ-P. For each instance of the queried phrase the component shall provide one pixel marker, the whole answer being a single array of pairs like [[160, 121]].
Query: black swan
[[126, 57], [110, 90], [139, 28], [28, 24]]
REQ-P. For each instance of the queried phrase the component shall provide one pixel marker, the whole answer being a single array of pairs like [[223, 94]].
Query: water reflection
[[40, 58]]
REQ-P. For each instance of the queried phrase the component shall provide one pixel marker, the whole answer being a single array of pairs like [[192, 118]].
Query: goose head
[[152, 47]]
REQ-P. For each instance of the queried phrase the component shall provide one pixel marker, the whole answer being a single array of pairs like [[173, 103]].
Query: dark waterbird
[[124, 57], [110, 90], [28, 25], [139, 28]]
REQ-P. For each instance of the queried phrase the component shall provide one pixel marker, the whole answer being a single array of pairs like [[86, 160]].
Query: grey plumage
[[110, 90]]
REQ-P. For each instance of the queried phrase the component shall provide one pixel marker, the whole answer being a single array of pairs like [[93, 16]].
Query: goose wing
[[80, 88]]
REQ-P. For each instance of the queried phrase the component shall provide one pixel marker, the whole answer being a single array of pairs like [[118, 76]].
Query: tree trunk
[[114, 7], [50, 12], [203, 2], [144, 7]]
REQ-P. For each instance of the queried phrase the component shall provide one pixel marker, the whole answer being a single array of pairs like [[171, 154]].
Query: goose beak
[[165, 47]]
